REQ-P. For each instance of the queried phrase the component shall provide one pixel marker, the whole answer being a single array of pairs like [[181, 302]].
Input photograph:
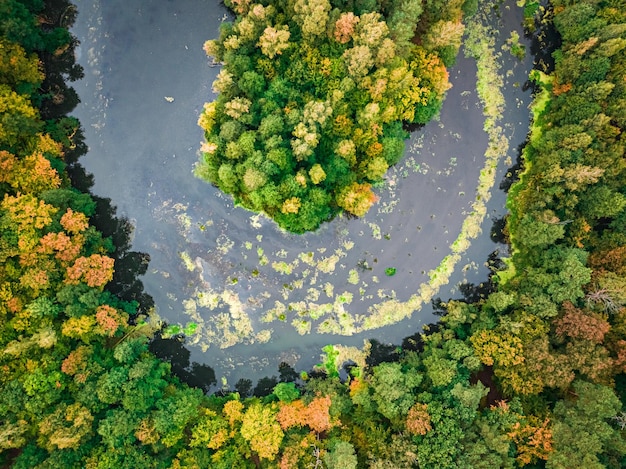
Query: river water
[[248, 286]]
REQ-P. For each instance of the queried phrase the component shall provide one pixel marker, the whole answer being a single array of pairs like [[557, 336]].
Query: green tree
[[581, 432], [392, 389], [175, 414], [341, 456], [286, 392]]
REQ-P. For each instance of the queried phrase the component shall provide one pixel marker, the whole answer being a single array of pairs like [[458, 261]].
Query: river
[[223, 269]]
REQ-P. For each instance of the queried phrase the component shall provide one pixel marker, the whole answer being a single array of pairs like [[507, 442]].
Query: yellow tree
[[17, 69], [260, 428], [274, 41], [356, 198], [66, 427], [18, 119]]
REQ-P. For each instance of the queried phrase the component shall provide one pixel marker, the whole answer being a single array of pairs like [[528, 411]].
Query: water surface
[[221, 267]]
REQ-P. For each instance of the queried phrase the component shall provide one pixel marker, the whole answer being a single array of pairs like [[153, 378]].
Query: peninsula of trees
[[313, 96]]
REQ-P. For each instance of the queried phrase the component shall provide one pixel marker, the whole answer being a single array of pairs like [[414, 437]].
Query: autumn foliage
[[315, 414], [79, 386], [418, 420]]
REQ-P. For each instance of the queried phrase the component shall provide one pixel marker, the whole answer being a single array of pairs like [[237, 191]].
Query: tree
[[18, 24], [356, 198], [286, 392], [601, 201], [312, 16], [95, 270], [260, 429], [274, 41], [18, 119], [580, 431], [175, 414], [533, 439], [577, 22], [418, 419], [317, 415], [535, 233], [345, 27], [578, 325], [392, 389], [341, 456], [17, 69], [67, 427]]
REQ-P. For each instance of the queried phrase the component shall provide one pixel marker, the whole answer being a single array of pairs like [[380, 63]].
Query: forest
[[531, 373]]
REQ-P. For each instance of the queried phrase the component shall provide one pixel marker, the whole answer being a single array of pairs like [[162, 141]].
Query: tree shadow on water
[[173, 351]]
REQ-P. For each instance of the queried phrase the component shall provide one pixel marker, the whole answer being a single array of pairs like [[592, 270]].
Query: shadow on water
[[498, 230], [56, 99], [265, 386], [514, 172], [130, 264], [544, 38], [380, 353], [173, 351]]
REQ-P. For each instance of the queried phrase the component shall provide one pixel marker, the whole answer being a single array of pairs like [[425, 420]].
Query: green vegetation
[[532, 375], [312, 97]]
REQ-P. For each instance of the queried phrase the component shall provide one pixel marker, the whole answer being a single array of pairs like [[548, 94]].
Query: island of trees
[[313, 96], [530, 374]]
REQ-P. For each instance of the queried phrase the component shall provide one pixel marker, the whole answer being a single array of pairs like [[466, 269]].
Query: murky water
[[247, 285]]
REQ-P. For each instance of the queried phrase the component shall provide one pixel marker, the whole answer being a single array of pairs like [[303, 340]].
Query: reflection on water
[[249, 286]]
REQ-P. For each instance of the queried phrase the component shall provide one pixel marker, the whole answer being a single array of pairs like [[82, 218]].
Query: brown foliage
[[345, 27], [76, 361], [317, 414], [613, 260], [66, 249], [146, 433], [590, 359], [620, 360], [558, 88], [418, 420], [579, 325], [74, 222]]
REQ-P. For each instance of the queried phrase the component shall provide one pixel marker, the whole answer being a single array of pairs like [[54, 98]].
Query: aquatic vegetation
[[353, 277], [307, 299], [517, 49]]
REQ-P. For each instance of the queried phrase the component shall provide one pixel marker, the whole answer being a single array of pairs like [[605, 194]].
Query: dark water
[[218, 266]]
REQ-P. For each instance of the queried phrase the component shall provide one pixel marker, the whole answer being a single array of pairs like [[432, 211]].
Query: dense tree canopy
[[531, 375]]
